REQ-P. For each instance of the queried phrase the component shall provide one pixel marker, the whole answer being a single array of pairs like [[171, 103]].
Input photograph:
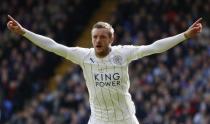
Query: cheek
[[93, 42], [108, 42]]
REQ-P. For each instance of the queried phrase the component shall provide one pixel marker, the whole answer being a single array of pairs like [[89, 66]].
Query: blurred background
[[38, 87]]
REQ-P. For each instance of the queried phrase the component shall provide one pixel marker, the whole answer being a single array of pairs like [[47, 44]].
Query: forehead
[[100, 31]]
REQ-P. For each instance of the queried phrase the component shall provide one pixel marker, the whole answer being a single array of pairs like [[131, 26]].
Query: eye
[[94, 37]]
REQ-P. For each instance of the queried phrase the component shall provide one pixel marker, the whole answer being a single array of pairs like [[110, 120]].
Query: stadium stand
[[24, 68], [168, 88]]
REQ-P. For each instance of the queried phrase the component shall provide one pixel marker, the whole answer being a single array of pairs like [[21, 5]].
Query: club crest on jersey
[[117, 60]]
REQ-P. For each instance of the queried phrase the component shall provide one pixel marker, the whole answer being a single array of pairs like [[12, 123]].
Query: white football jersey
[[107, 80]]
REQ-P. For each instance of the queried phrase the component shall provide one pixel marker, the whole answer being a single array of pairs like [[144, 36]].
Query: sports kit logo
[[107, 79], [117, 60]]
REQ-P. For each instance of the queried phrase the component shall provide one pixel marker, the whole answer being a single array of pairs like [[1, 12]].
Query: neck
[[103, 54]]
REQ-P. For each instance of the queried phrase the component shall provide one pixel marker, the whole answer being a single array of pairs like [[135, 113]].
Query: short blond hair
[[104, 25]]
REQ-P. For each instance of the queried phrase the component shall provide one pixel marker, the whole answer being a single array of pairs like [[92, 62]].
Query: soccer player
[[105, 67]]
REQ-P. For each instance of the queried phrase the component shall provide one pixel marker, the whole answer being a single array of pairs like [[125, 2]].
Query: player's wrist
[[186, 35], [22, 31]]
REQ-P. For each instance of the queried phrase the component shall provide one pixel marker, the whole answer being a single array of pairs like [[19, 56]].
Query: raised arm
[[39, 40], [167, 43], [159, 46]]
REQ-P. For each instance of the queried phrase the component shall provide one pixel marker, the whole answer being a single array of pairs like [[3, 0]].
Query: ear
[[111, 40]]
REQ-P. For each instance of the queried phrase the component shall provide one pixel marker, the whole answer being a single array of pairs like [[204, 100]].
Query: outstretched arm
[[159, 46], [167, 43], [39, 40]]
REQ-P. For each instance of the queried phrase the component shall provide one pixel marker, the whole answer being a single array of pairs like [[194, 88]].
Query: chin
[[99, 52]]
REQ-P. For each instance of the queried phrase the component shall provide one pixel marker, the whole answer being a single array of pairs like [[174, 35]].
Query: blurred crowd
[[25, 68], [173, 87], [168, 88]]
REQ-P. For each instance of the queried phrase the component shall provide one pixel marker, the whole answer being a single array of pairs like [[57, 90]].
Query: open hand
[[14, 26]]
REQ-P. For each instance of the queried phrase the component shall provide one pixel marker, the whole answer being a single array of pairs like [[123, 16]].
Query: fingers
[[196, 30], [9, 24], [199, 20], [12, 23], [198, 27], [196, 22], [12, 19], [12, 26]]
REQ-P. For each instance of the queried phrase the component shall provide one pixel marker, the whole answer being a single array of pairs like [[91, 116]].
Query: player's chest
[[111, 64]]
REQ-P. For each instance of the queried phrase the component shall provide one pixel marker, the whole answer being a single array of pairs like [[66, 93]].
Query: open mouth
[[98, 46]]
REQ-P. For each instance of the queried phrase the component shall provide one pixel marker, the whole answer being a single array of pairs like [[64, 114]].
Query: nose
[[97, 40]]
